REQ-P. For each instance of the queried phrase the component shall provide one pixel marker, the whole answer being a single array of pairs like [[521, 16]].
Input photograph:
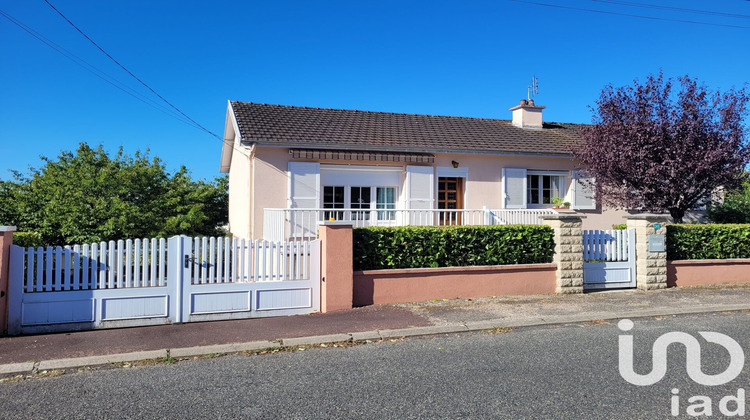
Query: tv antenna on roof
[[533, 88]]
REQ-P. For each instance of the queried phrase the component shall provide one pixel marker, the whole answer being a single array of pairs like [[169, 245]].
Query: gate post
[[568, 250], [6, 240], [179, 250], [337, 282], [650, 261]]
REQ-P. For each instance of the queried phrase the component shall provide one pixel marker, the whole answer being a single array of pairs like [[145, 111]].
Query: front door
[[450, 199]]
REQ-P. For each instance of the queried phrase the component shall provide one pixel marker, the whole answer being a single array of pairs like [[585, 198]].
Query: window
[[358, 203], [361, 199], [386, 199], [541, 188], [333, 198]]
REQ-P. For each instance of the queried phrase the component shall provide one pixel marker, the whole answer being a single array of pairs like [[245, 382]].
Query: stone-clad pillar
[[568, 251], [650, 260]]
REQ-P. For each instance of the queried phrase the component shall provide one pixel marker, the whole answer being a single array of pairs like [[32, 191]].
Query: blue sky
[[467, 58]]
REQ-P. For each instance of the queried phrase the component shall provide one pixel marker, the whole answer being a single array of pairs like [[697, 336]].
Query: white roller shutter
[[514, 188], [304, 192], [420, 194], [304, 185], [583, 193]]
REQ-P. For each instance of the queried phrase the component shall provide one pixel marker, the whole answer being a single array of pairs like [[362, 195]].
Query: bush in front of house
[[708, 242], [28, 239], [451, 246]]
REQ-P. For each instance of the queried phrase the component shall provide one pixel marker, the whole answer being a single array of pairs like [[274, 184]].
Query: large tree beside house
[[89, 196], [665, 145]]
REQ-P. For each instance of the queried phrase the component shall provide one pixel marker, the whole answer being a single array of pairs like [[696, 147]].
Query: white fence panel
[[609, 259], [85, 267], [606, 245], [154, 281], [258, 278]]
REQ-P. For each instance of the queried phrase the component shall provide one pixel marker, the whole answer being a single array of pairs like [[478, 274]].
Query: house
[[292, 167]]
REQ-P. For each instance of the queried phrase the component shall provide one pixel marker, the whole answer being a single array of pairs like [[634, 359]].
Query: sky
[[463, 58]]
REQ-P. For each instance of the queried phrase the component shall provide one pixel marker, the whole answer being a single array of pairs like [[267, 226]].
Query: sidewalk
[[27, 354]]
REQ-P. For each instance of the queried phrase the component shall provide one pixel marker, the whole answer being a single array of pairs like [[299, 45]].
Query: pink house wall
[[240, 194], [269, 184]]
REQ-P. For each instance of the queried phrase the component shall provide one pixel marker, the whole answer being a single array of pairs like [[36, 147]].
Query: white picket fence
[[221, 260], [143, 263], [606, 245], [148, 281], [103, 265], [609, 259]]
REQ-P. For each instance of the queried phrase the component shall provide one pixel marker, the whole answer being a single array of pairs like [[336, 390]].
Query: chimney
[[527, 115]]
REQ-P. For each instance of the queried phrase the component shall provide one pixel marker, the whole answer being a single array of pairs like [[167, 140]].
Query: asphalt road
[[560, 372]]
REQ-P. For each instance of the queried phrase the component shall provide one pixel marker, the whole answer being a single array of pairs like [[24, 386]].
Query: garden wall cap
[[562, 216], [7, 228], [336, 223], [647, 216]]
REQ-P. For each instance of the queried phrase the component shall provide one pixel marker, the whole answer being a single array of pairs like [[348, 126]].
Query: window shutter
[[514, 188], [420, 184], [583, 191], [304, 185], [304, 192]]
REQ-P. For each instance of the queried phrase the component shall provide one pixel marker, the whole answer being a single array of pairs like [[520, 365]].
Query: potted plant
[[557, 202], [566, 205]]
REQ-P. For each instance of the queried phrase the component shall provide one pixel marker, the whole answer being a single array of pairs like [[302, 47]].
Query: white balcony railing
[[286, 224]]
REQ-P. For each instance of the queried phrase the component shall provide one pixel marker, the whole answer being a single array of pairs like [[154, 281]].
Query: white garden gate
[[147, 282], [608, 259]]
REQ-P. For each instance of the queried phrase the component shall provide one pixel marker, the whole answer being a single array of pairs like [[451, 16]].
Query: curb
[[222, 348], [315, 339], [7, 370], [16, 368], [79, 362]]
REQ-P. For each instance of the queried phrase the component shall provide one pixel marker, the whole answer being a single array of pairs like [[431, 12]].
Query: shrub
[[708, 242], [452, 246], [28, 239], [620, 226], [734, 209]]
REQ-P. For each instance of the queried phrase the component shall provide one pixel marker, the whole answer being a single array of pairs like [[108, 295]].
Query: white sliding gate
[[608, 259], [256, 279], [147, 282]]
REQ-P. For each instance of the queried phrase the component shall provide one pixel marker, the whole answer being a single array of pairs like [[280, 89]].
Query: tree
[[735, 208], [655, 150], [87, 196]]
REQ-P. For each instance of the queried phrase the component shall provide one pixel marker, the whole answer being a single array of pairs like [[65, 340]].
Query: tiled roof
[[364, 130]]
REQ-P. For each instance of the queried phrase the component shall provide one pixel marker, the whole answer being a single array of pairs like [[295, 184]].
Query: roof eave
[[409, 149], [231, 131]]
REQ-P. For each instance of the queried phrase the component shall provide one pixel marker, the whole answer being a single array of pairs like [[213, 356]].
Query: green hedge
[[27, 239], [708, 242], [453, 246]]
